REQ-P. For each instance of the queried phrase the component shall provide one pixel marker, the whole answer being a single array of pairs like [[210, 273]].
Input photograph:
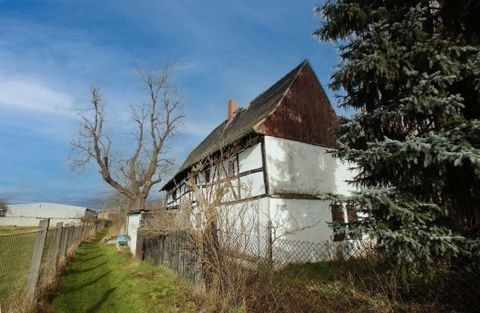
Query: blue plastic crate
[[122, 239]]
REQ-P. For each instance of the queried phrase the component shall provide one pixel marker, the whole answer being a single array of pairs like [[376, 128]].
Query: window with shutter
[[338, 216], [351, 212], [352, 217]]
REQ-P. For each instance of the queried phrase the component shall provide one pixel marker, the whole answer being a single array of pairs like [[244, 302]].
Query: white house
[[30, 214], [282, 139]]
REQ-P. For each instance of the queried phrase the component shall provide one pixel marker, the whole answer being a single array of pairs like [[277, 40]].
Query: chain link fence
[[333, 276], [30, 260]]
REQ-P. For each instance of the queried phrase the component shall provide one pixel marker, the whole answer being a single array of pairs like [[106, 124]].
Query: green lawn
[[104, 280]]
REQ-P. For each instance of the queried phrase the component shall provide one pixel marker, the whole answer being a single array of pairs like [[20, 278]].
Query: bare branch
[[158, 118]]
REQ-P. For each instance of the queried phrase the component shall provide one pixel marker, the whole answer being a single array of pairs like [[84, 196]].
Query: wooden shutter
[[338, 216], [351, 212]]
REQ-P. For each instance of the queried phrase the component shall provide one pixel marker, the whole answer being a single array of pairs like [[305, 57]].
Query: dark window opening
[[338, 216], [231, 168], [351, 212], [206, 173]]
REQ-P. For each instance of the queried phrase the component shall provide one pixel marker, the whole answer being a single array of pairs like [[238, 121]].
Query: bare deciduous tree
[[156, 121]]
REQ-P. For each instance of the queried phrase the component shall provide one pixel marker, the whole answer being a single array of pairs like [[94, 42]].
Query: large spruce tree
[[410, 71]]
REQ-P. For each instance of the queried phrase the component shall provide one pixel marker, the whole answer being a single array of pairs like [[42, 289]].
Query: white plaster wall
[[250, 158], [133, 223], [301, 219], [246, 223], [252, 185], [298, 168], [294, 221]]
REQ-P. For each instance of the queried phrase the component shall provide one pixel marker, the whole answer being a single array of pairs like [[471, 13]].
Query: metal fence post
[[36, 264]]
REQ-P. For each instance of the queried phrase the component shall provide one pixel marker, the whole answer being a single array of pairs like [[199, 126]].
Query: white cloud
[[31, 95]]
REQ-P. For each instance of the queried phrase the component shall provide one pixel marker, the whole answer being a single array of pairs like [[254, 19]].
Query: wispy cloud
[[30, 95]]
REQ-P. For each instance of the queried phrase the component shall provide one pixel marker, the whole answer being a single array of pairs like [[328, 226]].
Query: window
[[351, 212], [352, 217], [338, 217], [3, 212], [174, 194], [231, 167], [206, 173]]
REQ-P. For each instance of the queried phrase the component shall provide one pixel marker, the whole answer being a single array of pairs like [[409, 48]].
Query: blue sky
[[53, 51]]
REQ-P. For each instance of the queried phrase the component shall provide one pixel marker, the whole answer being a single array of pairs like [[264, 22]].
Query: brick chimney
[[232, 107]]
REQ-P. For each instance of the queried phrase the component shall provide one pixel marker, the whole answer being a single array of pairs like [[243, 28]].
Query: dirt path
[[104, 280]]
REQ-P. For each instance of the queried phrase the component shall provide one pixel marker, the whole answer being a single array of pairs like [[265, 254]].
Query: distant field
[[11, 230]]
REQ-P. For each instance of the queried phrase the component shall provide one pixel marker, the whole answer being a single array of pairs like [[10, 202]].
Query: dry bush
[[162, 221], [216, 210], [223, 231], [18, 304]]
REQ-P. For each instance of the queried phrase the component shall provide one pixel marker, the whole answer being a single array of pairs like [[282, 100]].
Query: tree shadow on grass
[[89, 283], [84, 270], [97, 305], [91, 258], [86, 251]]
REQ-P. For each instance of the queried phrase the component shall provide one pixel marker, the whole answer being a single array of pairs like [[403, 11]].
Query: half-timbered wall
[[247, 172]]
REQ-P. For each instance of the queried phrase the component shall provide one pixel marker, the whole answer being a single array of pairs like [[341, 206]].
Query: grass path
[[100, 279]]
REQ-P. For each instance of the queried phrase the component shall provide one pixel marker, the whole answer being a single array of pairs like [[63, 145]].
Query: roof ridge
[[298, 71]]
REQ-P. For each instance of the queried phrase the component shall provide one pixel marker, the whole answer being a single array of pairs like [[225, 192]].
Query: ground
[[100, 279]]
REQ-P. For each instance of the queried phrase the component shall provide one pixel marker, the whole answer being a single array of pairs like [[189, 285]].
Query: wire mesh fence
[[16, 255], [30, 259], [334, 276]]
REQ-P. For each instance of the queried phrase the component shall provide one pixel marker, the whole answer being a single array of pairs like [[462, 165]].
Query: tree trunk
[[138, 204], [214, 270]]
